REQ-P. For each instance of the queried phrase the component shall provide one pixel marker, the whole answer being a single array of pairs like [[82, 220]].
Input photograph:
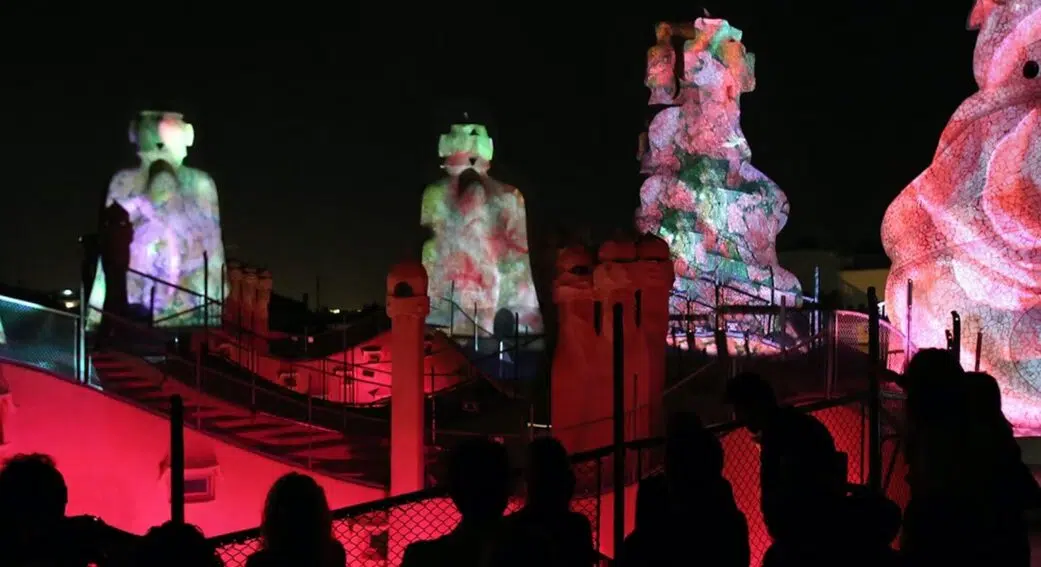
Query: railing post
[[75, 350], [223, 268], [817, 300], [979, 348], [310, 414], [151, 306], [831, 345], [198, 370], [907, 323], [475, 328], [433, 406], [83, 363], [205, 290], [451, 310], [875, 400], [956, 336], [599, 499], [176, 459], [619, 424]]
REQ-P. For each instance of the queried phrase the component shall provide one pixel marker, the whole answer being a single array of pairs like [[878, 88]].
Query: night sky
[[322, 140]]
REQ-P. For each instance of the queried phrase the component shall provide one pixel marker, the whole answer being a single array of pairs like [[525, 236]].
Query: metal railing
[[356, 383], [361, 426], [738, 314], [45, 338], [208, 309], [376, 533]]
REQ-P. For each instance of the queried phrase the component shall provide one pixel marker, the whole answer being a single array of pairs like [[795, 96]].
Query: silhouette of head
[[550, 479], [691, 451], [174, 545], [296, 516], [983, 394], [752, 398], [934, 385], [32, 493], [479, 479], [930, 364]]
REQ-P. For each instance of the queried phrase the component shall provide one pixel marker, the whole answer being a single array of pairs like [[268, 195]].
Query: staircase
[[360, 457]]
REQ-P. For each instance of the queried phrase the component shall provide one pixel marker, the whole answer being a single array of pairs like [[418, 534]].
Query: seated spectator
[[296, 529], [546, 531], [478, 482], [176, 545], [34, 529]]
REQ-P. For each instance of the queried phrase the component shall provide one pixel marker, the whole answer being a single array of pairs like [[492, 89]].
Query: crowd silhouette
[[969, 497]]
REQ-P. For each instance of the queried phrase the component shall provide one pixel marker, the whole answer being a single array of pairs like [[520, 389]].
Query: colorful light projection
[[718, 213], [967, 230], [478, 256], [176, 219]]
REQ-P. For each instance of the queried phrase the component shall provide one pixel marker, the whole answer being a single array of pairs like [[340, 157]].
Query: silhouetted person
[[478, 480], [869, 525], [688, 515], [809, 517], [968, 484], [546, 531], [789, 441], [34, 529], [995, 447], [297, 527], [176, 545]]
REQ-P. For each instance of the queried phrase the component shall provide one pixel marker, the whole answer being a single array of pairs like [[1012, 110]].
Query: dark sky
[[322, 136]]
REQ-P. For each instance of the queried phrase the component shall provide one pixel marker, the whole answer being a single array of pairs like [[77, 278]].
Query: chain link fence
[[376, 534]]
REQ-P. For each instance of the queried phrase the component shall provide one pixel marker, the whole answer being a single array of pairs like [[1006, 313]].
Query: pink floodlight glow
[[967, 230]]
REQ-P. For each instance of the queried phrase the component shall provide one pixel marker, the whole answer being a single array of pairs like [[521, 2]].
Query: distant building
[[841, 281]]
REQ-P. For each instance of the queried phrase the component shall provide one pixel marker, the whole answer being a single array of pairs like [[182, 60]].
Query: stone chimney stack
[[638, 275]]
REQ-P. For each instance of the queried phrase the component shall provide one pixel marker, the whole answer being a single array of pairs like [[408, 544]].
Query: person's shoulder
[[337, 554], [429, 552], [259, 558], [579, 520], [653, 484], [804, 422]]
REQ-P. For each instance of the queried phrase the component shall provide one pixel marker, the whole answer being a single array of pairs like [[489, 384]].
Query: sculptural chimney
[[261, 314], [233, 302], [407, 307], [639, 276], [577, 345], [654, 277], [248, 295], [614, 280]]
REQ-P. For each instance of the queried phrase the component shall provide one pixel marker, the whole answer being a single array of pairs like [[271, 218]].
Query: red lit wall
[[323, 378], [112, 456]]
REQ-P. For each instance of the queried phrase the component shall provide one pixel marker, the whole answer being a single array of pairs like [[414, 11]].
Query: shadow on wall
[[114, 457]]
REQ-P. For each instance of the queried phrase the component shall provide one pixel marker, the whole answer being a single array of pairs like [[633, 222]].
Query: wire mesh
[[376, 534], [846, 422], [38, 336]]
